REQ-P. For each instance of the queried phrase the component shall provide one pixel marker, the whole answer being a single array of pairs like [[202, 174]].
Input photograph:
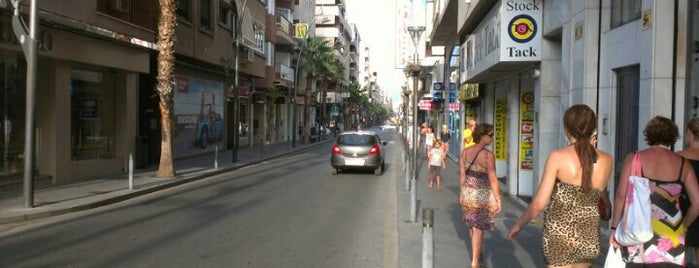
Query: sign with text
[[521, 30]]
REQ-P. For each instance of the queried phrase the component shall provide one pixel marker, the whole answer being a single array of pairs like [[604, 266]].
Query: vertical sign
[[520, 30], [500, 128], [301, 30], [526, 131]]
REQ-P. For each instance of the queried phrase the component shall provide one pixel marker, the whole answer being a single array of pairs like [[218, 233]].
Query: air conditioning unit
[[248, 55]]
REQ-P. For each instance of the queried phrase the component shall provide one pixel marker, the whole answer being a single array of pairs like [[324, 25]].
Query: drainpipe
[[674, 63]]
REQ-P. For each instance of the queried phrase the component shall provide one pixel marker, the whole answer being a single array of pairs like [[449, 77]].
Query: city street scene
[[348, 133]]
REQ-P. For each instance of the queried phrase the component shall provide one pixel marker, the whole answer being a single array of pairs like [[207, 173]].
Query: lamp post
[[415, 33]]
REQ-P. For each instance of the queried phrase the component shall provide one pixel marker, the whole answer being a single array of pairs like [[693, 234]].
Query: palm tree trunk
[[166, 61], [324, 118]]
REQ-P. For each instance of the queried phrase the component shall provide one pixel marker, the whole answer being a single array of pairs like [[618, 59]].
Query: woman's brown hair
[[661, 131], [580, 123], [480, 131]]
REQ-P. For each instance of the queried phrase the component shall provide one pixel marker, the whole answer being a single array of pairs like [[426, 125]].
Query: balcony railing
[[284, 24], [137, 12], [286, 73]]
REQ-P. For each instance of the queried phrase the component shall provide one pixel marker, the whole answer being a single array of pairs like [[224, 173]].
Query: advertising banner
[[501, 129], [526, 130]]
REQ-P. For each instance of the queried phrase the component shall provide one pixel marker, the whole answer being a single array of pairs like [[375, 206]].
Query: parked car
[[358, 150], [388, 126]]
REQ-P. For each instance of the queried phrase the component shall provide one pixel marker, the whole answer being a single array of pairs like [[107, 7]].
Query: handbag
[[635, 228], [614, 259], [464, 193]]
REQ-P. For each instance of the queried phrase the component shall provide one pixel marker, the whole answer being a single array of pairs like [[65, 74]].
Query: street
[[286, 212]]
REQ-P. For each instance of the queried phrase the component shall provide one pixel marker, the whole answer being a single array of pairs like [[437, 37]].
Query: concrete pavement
[[452, 246]]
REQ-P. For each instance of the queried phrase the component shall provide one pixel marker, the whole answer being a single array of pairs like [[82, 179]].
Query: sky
[[376, 23]]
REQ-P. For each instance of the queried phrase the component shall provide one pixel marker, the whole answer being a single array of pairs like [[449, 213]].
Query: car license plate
[[354, 162]]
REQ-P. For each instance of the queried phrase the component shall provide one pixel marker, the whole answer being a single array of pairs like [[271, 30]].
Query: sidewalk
[[452, 246], [52, 200]]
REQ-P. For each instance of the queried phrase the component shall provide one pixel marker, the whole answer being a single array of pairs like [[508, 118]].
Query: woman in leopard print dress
[[574, 178]]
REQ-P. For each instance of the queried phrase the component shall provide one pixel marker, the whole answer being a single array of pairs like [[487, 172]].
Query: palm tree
[[330, 73], [166, 61], [312, 62]]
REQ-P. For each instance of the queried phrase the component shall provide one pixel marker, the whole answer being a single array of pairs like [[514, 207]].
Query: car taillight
[[374, 150], [336, 149]]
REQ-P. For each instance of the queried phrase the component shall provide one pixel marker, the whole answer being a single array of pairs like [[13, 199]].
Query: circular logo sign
[[522, 28], [528, 97]]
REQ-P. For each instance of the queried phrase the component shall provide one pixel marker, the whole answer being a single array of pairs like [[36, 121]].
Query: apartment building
[[96, 103]]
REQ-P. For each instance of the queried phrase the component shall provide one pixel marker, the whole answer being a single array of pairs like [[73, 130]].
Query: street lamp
[[415, 33]]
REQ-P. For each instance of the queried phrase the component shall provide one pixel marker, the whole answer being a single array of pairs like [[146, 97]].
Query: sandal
[[430, 185]]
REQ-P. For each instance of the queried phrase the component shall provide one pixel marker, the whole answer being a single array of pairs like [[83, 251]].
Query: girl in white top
[[429, 140]]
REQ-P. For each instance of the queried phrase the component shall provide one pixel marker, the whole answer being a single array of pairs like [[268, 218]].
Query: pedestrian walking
[[445, 138], [668, 173], [572, 183], [468, 133], [429, 140], [479, 194], [691, 153], [436, 162]]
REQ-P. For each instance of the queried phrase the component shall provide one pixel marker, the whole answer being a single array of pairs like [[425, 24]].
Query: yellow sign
[[468, 91], [647, 19], [526, 131], [301, 30], [501, 128]]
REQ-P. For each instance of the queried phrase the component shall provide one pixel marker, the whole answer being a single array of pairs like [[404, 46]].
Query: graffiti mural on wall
[[198, 115]]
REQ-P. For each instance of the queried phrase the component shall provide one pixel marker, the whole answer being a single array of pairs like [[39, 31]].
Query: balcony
[[285, 29], [284, 73]]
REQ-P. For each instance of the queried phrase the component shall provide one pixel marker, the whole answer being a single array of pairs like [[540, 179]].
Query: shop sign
[[437, 90], [468, 91], [526, 130], [500, 129], [521, 23], [511, 32], [425, 105]]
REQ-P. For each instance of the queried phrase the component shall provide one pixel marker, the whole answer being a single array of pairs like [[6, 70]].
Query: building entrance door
[[627, 115]]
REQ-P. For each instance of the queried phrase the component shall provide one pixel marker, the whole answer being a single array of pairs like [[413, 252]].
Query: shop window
[[92, 115], [12, 112], [624, 11], [244, 128]]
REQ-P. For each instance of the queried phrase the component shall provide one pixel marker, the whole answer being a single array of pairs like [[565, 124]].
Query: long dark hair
[[580, 122]]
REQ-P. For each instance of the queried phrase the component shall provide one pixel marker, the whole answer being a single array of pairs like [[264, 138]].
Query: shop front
[[497, 60]]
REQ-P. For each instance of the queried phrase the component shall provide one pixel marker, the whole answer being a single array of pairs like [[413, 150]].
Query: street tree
[[312, 63], [166, 66]]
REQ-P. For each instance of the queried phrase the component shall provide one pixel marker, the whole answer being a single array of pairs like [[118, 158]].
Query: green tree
[[166, 67], [312, 60]]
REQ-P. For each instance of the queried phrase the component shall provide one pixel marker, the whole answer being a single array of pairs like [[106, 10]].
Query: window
[[624, 11], [205, 14], [259, 37], [93, 115], [183, 9], [141, 13], [224, 15]]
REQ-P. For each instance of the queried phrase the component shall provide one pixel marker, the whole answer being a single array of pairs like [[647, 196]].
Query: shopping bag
[[634, 227], [614, 259]]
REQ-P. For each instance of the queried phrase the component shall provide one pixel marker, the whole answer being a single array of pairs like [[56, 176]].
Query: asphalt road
[[288, 212]]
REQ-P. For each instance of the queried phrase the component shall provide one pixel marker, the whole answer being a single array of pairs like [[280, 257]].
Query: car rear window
[[356, 139]]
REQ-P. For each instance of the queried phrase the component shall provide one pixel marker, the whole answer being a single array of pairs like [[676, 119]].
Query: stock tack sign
[[520, 26]]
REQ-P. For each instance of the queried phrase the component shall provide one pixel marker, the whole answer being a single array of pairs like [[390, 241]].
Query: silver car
[[358, 150]]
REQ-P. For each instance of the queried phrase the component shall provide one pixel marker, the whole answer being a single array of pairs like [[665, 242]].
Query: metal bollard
[[413, 201], [216, 157], [427, 238], [130, 171]]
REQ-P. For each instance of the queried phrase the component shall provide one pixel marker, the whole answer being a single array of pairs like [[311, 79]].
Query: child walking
[[435, 158]]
